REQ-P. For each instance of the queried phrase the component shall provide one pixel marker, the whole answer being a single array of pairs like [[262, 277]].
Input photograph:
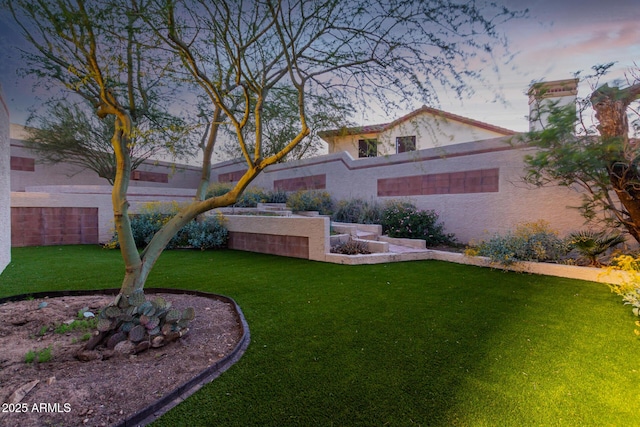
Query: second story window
[[367, 148], [405, 143]]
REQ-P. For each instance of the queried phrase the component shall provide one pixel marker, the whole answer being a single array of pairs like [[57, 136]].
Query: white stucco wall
[[431, 131], [89, 196], [471, 216], [179, 176], [5, 193]]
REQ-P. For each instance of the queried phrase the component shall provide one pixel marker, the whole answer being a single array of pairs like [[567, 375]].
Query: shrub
[[250, 197], [311, 200], [208, 234], [218, 189], [277, 196], [351, 247], [203, 234], [358, 211], [528, 242], [629, 290], [401, 219], [591, 244]]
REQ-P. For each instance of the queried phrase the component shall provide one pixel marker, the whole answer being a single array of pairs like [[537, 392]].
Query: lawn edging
[[592, 274]]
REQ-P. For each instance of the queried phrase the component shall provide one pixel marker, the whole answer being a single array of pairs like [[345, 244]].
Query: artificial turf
[[402, 344]]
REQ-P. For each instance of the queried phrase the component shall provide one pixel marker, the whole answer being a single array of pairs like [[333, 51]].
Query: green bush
[[528, 242], [401, 219], [591, 244], [218, 189], [628, 289], [358, 211], [277, 196], [310, 200], [203, 234], [250, 197], [208, 234]]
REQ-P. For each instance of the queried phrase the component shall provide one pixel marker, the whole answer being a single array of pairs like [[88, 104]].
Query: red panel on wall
[[53, 226], [22, 164], [291, 246], [313, 182], [475, 181], [149, 176], [231, 176]]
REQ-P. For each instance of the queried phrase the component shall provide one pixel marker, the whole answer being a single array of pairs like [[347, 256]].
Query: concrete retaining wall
[[300, 237], [5, 198]]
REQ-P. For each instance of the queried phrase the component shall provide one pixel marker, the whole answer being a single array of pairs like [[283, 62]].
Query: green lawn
[[416, 343]]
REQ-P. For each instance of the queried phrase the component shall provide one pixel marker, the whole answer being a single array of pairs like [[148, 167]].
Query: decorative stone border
[[172, 399]]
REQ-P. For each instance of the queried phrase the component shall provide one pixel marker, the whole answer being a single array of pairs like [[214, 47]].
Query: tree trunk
[[610, 105], [207, 149]]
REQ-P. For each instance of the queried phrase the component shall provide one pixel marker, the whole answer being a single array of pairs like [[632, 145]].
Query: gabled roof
[[378, 128]]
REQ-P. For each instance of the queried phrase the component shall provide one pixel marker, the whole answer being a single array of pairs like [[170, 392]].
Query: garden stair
[[371, 235]]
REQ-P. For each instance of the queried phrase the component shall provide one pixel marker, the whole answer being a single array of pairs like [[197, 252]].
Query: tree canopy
[[601, 160]]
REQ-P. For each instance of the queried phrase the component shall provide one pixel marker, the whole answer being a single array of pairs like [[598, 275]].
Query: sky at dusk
[[558, 39]]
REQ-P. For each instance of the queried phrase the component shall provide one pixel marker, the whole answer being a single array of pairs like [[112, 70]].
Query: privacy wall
[[5, 192], [476, 188]]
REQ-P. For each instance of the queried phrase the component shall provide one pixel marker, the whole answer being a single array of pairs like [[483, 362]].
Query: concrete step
[[272, 206]]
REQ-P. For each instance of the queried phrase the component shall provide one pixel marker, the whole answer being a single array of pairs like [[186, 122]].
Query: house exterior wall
[[458, 182], [28, 171], [349, 143], [430, 132], [5, 189], [545, 94]]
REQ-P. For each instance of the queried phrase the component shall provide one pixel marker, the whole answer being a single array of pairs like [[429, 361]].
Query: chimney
[[541, 95]]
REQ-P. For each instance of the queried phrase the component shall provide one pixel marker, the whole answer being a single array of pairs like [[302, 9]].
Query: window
[[405, 143], [367, 148]]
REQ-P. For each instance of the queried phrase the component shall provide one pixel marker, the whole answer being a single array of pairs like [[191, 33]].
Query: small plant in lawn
[[40, 356], [85, 337], [76, 325], [43, 330]]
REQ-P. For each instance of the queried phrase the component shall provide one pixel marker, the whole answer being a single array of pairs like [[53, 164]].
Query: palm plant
[[591, 244]]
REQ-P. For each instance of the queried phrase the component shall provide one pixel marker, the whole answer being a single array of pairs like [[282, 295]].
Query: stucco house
[[423, 128]]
